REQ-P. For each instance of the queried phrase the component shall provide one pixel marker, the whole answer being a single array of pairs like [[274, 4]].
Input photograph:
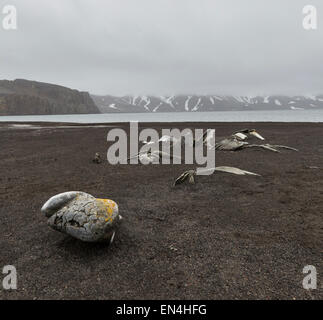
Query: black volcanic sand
[[225, 237]]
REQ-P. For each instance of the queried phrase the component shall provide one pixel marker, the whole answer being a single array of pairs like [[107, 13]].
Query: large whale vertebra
[[82, 216]]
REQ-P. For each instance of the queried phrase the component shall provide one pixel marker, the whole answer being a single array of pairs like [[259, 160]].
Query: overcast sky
[[166, 46]]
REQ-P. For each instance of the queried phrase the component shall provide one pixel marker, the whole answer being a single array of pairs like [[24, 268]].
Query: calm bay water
[[218, 116]]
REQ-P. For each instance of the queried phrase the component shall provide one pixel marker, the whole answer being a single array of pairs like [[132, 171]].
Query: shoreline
[[285, 116], [176, 123]]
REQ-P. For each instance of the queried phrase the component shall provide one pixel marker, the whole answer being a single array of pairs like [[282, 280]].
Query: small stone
[[97, 158], [82, 216]]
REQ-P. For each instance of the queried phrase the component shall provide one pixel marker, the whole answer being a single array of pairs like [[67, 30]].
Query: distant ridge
[[199, 103], [24, 97]]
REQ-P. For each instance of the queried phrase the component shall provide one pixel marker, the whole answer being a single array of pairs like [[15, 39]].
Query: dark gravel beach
[[226, 237]]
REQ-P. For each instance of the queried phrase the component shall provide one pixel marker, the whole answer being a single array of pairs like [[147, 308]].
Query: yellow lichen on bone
[[108, 206], [82, 216]]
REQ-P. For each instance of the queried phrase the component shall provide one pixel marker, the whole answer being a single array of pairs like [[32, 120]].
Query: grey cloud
[[166, 46]]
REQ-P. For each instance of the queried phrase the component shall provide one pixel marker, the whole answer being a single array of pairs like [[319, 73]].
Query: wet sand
[[226, 237]]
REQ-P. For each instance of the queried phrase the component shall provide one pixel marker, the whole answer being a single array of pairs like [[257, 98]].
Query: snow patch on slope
[[196, 107], [187, 102]]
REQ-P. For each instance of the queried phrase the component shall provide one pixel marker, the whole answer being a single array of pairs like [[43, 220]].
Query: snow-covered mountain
[[195, 103]]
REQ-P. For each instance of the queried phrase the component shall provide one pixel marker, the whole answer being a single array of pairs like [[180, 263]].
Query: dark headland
[[25, 97]]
